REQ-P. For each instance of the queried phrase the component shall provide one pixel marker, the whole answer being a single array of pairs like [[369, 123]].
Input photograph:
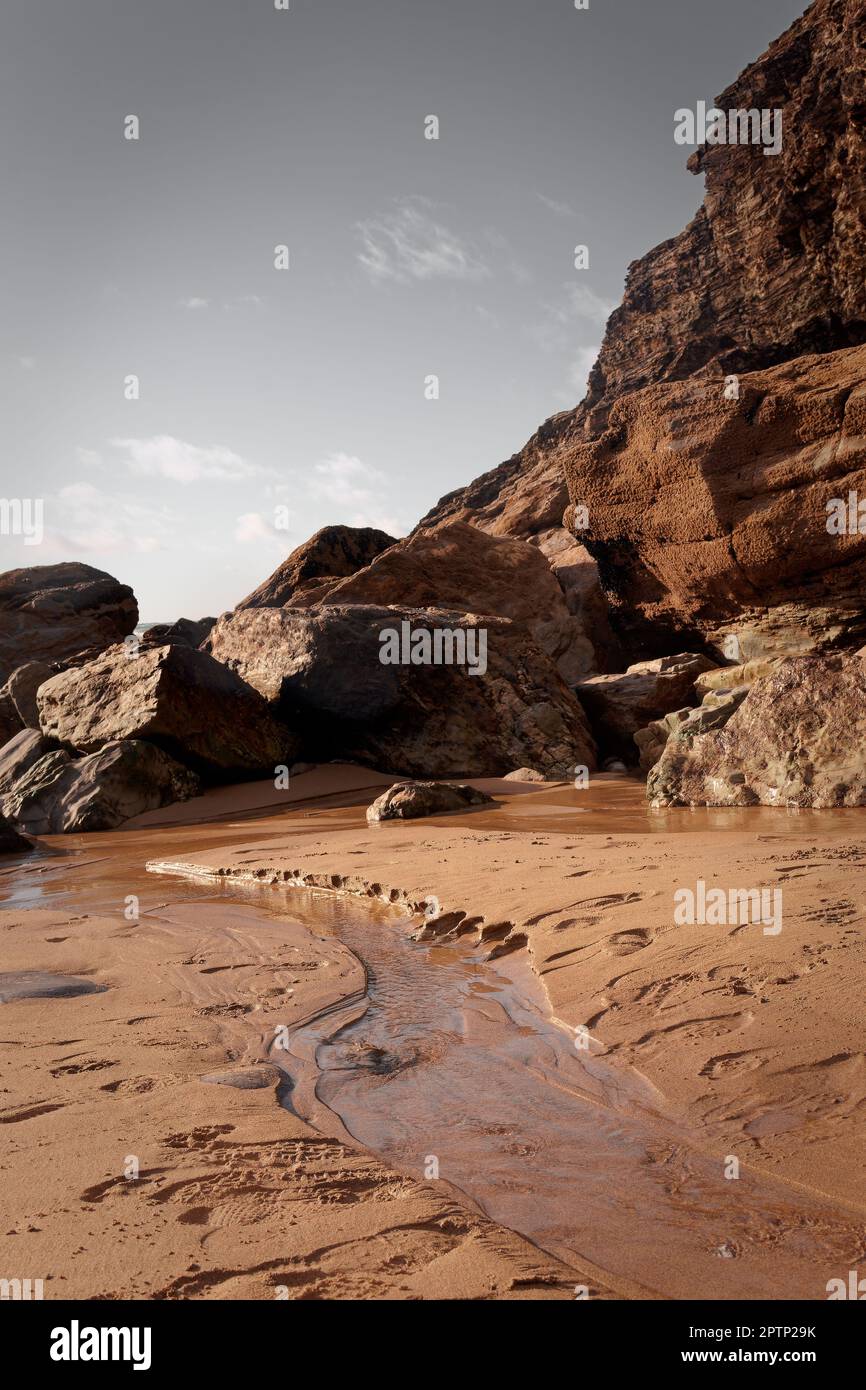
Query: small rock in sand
[[407, 800]]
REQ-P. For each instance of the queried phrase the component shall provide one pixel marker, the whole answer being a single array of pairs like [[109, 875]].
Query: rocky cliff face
[[706, 513], [707, 506], [771, 268]]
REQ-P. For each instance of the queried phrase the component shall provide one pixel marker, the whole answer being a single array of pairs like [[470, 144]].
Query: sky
[[271, 401]]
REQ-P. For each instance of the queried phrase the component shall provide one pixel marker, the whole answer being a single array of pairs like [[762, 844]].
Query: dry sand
[[755, 1043]]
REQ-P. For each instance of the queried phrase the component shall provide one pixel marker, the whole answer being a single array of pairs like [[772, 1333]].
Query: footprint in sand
[[729, 1063], [623, 943]]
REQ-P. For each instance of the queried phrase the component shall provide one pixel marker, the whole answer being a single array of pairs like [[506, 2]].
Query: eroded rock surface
[[52, 612], [59, 794], [797, 739], [459, 567], [200, 712], [332, 553], [322, 671], [410, 800]]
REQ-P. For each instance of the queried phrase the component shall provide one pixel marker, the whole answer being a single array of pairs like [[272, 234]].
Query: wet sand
[[729, 1042]]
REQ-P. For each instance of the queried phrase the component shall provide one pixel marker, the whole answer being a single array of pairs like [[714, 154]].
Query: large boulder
[[322, 670], [460, 568], [52, 612], [411, 800], [27, 747], [332, 553], [797, 739], [184, 701], [59, 794], [620, 705], [713, 712]]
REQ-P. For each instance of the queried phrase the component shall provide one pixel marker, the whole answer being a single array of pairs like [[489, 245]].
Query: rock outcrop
[[797, 739], [525, 498], [332, 553], [619, 706], [52, 612], [184, 701], [458, 567], [59, 794], [707, 514], [411, 800], [21, 752], [184, 632], [709, 517], [771, 266], [322, 670], [21, 687], [713, 712]]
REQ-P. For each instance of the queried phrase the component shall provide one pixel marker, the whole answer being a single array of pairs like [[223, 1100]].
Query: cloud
[[27, 363], [164, 456], [345, 480], [193, 303], [82, 518], [408, 244], [252, 527], [357, 491], [561, 209]]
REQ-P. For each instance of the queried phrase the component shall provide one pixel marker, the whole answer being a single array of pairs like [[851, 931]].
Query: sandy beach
[[722, 1040]]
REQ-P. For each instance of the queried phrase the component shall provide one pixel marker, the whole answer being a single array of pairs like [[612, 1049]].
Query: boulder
[[185, 632], [11, 842], [332, 553], [796, 739], [27, 747], [460, 568], [59, 794], [184, 701], [409, 800], [620, 705], [714, 712], [22, 686], [322, 670], [52, 612]]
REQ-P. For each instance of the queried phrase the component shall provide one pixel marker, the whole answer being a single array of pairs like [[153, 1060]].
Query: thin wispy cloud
[[355, 492], [408, 243], [252, 528], [194, 303], [83, 519], [166, 457], [561, 209]]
